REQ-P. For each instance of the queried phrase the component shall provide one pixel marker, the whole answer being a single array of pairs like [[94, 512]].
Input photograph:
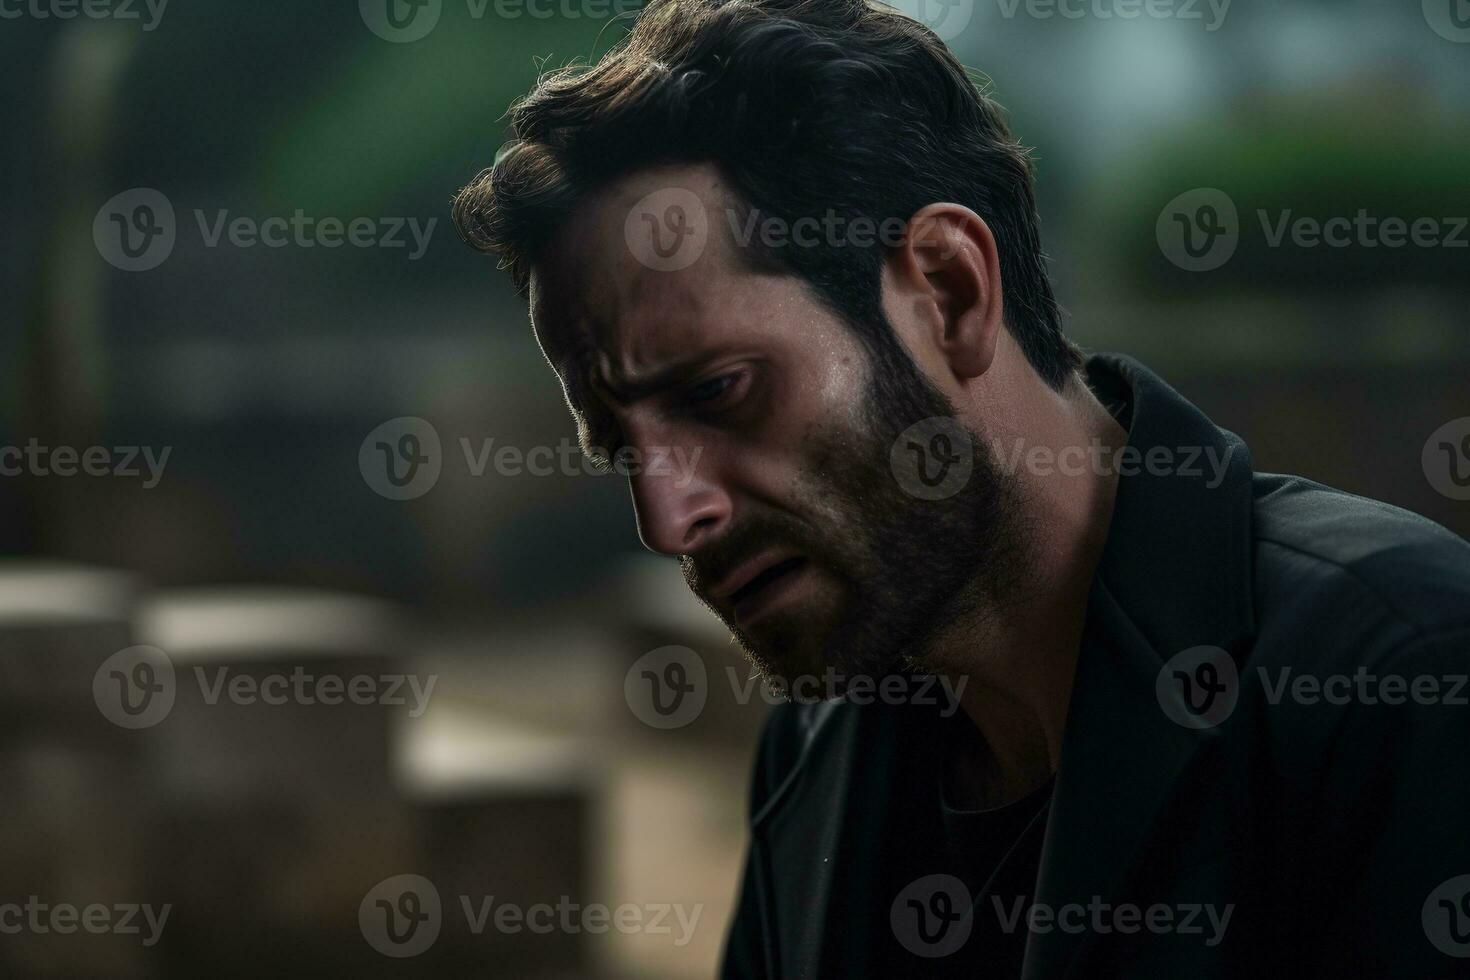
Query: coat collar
[[1175, 573], [1178, 554]]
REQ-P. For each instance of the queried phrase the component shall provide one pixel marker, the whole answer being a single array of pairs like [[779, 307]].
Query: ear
[[945, 274]]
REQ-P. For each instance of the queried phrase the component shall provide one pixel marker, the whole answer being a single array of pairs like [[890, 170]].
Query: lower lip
[[752, 607]]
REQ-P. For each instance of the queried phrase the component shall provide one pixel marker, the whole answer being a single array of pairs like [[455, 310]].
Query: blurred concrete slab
[[504, 811], [75, 797], [58, 623], [284, 693]]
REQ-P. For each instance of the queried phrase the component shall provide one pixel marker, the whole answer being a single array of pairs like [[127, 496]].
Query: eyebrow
[[651, 383], [594, 420]]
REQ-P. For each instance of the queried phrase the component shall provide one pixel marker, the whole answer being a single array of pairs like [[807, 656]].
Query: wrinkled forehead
[[642, 273]]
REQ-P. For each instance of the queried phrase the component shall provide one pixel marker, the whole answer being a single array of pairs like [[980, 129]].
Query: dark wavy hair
[[806, 107]]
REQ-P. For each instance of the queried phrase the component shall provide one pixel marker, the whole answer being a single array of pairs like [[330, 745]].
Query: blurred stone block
[[279, 693], [72, 804], [504, 814], [58, 624], [271, 887], [73, 820], [75, 784]]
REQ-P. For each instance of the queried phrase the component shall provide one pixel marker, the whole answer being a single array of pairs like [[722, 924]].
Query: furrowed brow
[[589, 394], [652, 383]]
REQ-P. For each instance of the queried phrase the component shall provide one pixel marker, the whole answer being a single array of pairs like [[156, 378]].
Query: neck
[[1018, 664]]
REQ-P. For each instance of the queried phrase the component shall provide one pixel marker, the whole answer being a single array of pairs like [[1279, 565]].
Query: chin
[[787, 647], [821, 637], [784, 646]]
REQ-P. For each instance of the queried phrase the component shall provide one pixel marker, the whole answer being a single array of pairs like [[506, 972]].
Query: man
[[792, 235]]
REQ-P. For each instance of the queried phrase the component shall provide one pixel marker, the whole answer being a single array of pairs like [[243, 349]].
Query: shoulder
[[1333, 564]]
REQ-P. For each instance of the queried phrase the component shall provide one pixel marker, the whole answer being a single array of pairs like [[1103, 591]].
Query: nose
[[678, 509]]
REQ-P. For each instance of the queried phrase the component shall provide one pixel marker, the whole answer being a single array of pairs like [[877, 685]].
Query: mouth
[[765, 586]]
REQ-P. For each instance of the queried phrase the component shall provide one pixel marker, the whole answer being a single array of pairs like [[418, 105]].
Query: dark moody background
[[264, 545]]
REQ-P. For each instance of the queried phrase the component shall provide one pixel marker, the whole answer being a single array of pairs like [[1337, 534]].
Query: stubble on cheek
[[808, 637]]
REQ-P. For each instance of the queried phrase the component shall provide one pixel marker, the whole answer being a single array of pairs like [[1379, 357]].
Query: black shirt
[[960, 880]]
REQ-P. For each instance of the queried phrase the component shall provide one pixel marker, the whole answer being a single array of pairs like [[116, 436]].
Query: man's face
[[792, 528]]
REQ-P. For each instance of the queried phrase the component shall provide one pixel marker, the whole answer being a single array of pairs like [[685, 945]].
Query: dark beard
[[910, 567]]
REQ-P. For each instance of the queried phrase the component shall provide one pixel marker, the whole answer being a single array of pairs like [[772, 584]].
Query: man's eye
[[707, 392]]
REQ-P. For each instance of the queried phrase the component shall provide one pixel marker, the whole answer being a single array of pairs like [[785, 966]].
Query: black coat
[[1335, 829]]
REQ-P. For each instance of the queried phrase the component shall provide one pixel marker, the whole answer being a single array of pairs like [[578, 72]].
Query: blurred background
[[195, 397]]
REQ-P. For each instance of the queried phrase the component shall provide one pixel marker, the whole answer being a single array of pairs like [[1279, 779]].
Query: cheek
[[809, 426], [841, 382]]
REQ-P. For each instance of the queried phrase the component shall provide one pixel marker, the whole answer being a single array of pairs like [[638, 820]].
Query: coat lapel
[[818, 836], [1175, 574]]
